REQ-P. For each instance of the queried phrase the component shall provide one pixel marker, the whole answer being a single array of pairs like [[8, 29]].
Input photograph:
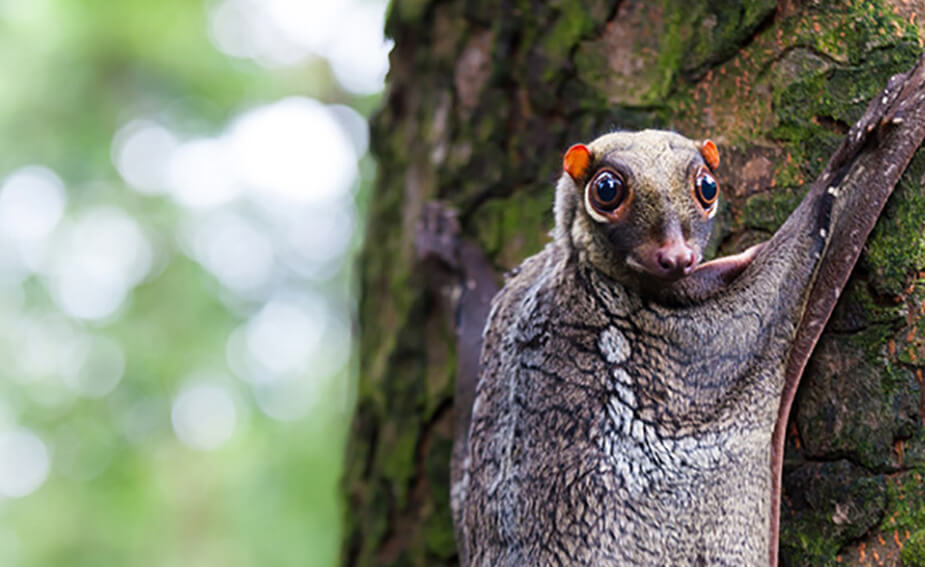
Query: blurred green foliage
[[74, 72]]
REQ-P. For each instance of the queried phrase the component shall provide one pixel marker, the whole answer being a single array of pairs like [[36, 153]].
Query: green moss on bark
[[914, 551], [897, 246], [906, 495], [573, 23], [511, 229], [828, 505], [712, 31]]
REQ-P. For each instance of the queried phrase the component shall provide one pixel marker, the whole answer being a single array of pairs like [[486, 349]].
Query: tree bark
[[484, 98]]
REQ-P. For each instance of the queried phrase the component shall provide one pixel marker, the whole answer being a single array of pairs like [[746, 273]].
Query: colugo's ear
[[576, 161], [710, 154]]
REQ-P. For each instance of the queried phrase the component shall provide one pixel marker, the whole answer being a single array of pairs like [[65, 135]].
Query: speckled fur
[[612, 428]]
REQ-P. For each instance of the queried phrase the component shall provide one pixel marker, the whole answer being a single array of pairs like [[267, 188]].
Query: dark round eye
[[707, 189], [608, 190]]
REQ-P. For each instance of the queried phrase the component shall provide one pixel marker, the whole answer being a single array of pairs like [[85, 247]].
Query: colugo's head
[[639, 205]]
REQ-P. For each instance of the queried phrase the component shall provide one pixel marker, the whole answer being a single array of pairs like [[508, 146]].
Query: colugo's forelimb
[[852, 190]]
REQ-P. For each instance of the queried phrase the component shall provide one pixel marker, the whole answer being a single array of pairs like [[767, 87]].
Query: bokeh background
[[182, 188]]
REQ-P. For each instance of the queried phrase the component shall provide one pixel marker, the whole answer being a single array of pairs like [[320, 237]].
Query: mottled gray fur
[[616, 423]]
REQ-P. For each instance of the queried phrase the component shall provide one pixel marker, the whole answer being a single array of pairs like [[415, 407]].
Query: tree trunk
[[484, 98]]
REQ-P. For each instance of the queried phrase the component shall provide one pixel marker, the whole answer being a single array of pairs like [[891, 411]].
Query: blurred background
[[181, 202]]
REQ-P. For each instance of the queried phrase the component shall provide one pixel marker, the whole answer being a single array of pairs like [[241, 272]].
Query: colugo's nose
[[675, 259]]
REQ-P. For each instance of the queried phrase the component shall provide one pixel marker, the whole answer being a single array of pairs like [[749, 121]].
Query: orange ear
[[576, 161], [710, 154]]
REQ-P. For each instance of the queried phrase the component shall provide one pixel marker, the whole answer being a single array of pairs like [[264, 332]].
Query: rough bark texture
[[484, 98]]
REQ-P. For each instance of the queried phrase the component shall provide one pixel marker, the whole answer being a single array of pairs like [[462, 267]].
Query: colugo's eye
[[608, 191], [706, 190]]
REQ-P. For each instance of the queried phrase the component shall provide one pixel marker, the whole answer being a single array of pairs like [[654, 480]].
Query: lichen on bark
[[484, 97]]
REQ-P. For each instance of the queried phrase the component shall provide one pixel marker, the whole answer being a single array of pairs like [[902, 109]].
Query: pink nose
[[675, 259]]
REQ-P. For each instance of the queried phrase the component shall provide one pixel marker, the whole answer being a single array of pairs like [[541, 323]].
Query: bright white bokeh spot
[[279, 33], [33, 254], [294, 150], [32, 201], [241, 28], [322, 235], [141, 152], [14, 265], [284, 334], [203, 416], [88, 287], [275, 33], [360, 58], [97, 262], [24, 463], [289, 352], [354, 124], [98, 367], [336, 346], [202, 174], [235, 250], [228, 28], [310, 25]]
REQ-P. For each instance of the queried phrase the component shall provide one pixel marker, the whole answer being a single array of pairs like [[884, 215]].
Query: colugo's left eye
[[706, 190]]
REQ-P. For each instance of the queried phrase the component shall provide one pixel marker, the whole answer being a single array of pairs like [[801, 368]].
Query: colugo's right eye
[[607, 191]]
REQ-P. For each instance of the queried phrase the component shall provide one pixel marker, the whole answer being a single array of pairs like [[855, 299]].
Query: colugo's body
[[628, 408], [620, 419]]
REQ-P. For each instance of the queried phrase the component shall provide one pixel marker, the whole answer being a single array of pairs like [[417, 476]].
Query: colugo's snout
[[675, 259], [668, 260]]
